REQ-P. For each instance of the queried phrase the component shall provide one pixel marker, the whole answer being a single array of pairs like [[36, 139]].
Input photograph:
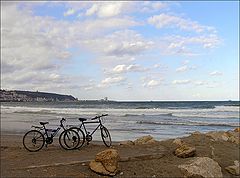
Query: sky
[[123, 50]]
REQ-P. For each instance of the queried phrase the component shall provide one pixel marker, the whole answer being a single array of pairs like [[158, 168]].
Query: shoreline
[[135, 160]]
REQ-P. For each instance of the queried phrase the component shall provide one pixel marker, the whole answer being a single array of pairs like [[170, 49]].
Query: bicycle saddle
[[82, 119], [43, 123]]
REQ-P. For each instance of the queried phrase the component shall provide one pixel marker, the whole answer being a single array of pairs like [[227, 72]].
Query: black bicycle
[[106, 137], [35, 139]]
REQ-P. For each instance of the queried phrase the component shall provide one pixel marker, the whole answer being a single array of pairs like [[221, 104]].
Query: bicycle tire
[[37, 136], [106, 137], [69, 136], [81, 135]]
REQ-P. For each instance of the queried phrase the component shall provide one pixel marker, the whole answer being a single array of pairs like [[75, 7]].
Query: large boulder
[[201, 167], [233, 169], [145, 140], [99, 168], [185, 151], [106, 162]]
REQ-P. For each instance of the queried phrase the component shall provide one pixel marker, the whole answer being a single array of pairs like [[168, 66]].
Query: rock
[[217, 136], [230, 136], [145, 140], [237, 129], [152, 141], [128, 142], [233, 136], [109, 159], [99, 168], [185, 151], [225, 137], [196, 133], [233, 169], [178, 141], [201, 167], [121, 173]]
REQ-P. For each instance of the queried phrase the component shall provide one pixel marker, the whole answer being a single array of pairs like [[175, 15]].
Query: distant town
[[17, 95]]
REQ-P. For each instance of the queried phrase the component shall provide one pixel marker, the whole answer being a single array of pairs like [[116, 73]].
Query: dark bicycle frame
[[53, 134], [91, 122]]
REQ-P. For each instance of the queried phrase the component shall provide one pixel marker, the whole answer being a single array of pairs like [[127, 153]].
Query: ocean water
[[126, 120]]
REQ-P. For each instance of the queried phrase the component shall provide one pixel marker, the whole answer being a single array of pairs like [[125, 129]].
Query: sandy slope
[[136, 161]]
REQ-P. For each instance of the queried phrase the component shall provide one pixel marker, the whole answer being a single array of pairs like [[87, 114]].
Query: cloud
[[69, 12], [120, 43], [106, 9], [188, 45], [164, 20], [151, 83], [128, 68], [109, 81], [185, 68], [181, 82], [216, 73]]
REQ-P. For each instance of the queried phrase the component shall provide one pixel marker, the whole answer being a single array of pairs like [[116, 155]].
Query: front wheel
[[69, 139], [33, 140], [106, 137], [81, 136]]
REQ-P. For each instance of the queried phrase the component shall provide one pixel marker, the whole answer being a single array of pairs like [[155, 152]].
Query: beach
[[146, 160]]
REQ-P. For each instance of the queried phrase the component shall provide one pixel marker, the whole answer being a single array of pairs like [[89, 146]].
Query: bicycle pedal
[[87, 143]]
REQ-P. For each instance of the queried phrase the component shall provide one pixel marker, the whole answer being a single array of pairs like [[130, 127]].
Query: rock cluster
[[106, 162], [183, 150], [233, 169], [145, 140], [230, 136], [140, 141], [201, 167]]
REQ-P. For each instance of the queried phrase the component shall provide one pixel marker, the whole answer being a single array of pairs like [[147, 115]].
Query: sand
[[153, 160]]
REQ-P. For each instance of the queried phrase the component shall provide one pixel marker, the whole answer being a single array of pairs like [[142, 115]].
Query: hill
[[17, 95]]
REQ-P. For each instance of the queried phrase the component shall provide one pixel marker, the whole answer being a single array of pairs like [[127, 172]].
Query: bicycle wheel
[[33, 140], [69, 139], [81, 136], [106, 137]]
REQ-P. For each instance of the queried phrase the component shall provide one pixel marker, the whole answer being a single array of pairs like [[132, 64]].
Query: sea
[[125, 120]]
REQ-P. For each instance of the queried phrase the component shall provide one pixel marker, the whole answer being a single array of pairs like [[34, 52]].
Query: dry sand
[[153, 160]]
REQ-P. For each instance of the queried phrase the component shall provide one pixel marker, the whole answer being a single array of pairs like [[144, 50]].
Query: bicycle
[[105, 134], [35, 139]]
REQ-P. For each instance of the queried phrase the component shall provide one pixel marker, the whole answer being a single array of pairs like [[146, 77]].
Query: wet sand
[[136, 160]]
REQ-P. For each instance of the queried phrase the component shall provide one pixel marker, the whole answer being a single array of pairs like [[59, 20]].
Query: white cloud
[[151, 84], [181, 82], [109, 81], [215, 73], [69, 12], [200, 83], [188, 45], [37, 43], [106, 9], [165, 20], [185, 68], [128, 68], [120, 43]]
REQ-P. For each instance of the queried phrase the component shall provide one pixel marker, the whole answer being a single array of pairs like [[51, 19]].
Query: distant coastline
[[29, 96]]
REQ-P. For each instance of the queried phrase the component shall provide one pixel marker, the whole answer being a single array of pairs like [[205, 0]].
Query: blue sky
[[126, 50]]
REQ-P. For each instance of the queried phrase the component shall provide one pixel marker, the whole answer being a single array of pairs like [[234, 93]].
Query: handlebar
[[61, 121], [98, 117]]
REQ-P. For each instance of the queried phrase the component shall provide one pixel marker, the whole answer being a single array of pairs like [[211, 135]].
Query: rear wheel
[[69, 139], [33, 140], [81, 136], [106, 137]]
